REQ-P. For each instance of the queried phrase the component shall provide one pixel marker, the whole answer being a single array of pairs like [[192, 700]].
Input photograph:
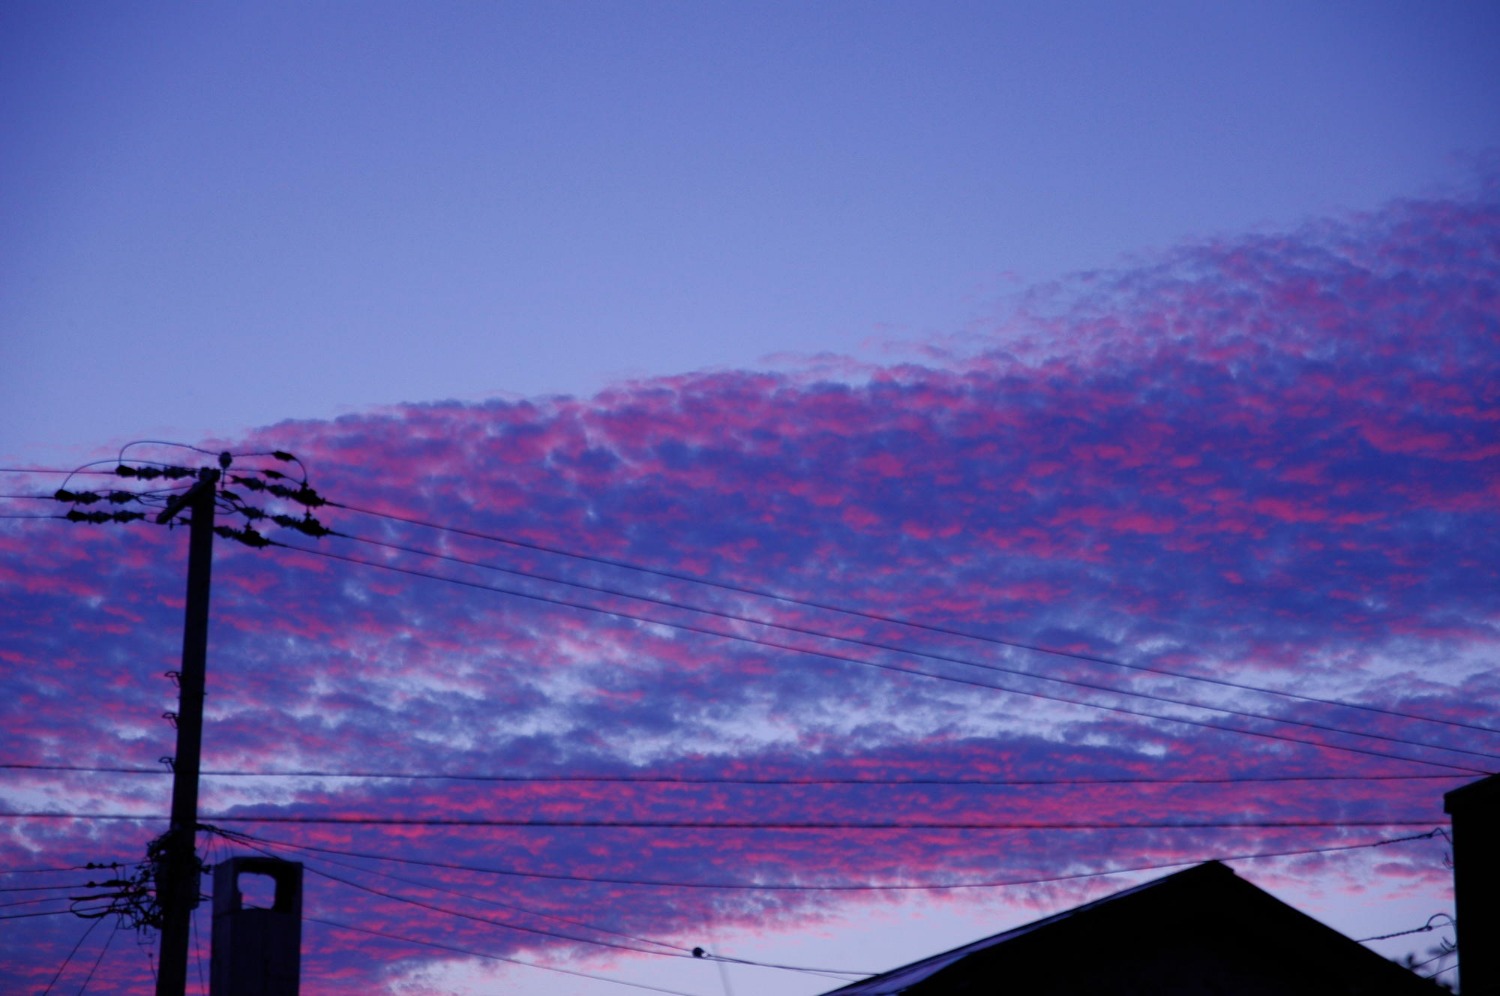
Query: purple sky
[[1165, 339]]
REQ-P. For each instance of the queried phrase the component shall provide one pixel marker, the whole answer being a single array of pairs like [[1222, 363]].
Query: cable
[[45, 888], [897, 620], [32, 902], [675, 950], [439, 821], [492, 957], [99, 960], [249, 841], [733, 780], [1430, 925], [893, 648], [774, 887], [63, 967], [67, 912], [688, 627]]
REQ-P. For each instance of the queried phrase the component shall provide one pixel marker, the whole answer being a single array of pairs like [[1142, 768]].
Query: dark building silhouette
[[1475, 809], [257, 951], [1200, 932]]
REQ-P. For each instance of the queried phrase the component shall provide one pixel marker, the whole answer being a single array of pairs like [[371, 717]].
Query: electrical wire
[[735, 780], [1430, 925], [676, 950], [844, 887], [789, 825], [99, 960], [673, 950], [63, 967], [897, 620], [773, 644], [492, 957], [67, 912], [894, 648], [249, 841]]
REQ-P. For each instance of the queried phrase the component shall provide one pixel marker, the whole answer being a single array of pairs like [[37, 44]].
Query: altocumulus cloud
[[1271, 461]]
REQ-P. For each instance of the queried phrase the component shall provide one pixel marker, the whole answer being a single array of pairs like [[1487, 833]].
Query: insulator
[[225, 459], [247, 536], [175, 676], [282, 455], [121, 497], [170, 762], [170, 717], [77, 497]]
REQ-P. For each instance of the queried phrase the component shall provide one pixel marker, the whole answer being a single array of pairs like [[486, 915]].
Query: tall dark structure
[[178, 869], [257, 951], [1475, 809]]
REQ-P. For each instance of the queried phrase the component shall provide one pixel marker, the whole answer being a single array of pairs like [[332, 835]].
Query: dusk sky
[[819, 483]]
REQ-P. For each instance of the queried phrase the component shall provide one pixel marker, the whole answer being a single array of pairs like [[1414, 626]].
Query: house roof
[[1203, 930]]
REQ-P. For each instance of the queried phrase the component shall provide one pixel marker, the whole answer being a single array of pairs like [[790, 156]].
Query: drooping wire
[[780, 825], [1430, 925], [842, 887], [897, 620], [673, 950], [492, 957], [734, 779], [777, 645], [895, 648], [66, 961], [99, 960]]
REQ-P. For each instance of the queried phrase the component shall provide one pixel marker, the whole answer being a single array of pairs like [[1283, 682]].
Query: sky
[[1025, 442]]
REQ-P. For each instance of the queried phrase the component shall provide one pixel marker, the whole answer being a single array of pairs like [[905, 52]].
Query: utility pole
[[178, 867], [172, 864]]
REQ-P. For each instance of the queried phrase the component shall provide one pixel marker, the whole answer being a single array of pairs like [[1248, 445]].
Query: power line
[[773, 644], [677, 952], [492, 957], [793, 825], [897, 620], [674, 950], [842, 887], [66, 961], [248, 840], [735, 780], [1430, 925], [895, 648], [72, 911]]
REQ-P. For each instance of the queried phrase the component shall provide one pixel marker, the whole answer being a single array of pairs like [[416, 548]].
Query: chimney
[[257, 950], [1475, 809]]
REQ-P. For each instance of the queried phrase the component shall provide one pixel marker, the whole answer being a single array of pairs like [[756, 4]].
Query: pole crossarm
[[172, 863]]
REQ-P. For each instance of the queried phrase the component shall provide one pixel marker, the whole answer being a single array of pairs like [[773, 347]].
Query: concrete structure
[[257, 951]]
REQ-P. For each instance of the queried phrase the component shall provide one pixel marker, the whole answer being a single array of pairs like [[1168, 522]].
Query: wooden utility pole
[[178, 869]]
